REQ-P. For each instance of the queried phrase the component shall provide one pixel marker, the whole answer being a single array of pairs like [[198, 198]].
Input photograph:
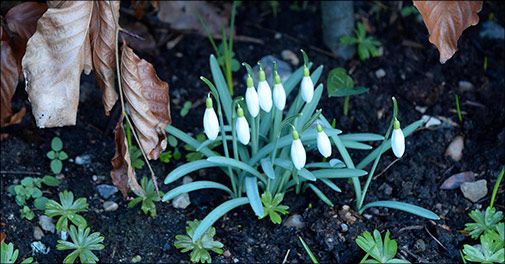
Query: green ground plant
[[57, 155], [199, 248], [147, 201], [273, 207], [83, 244], [9, 255], [367, 46], [340, 84], [380, 251], [67, 211]]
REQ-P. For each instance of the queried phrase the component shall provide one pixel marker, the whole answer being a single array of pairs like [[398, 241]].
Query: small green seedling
[[273, 207], [340, 84], [9, 255], [458, 108], [185, 108], [135, 152], [367, 46], [490, 249], [148, 201], [166, 156], [200, 248], [67, 210], [484, 221], [192, 153], [83, 243], [309, 252], [57, 155], [381, 252], [30, 188]]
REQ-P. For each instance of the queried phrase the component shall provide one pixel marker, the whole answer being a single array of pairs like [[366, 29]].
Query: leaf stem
[[496, 186], [346, 105]]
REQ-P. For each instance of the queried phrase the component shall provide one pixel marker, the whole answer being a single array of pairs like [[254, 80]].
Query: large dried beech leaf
[[55, 57], [446, 21], [103, 41], [183, 15], [148, 101], [9, 81], [22, 18], [122, 174]]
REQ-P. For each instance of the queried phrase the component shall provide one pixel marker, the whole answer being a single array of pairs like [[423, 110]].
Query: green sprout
[[458, 109], [381, 252], [199, 248], [9, 255], [484, 221], [67, 210], [273, 207], [340, 84], [166, 156], [83, 243], [185, 108], [57, 155], [367, 46], [135, 152], [149, 199], [26, 213], [490, 249], [309, 251]]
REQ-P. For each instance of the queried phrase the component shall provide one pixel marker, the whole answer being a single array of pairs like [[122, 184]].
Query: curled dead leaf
[[147, 100], [22, 18], [123, 174], [446, 21]]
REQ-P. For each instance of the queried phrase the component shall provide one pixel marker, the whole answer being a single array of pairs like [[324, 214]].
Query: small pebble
[[37, 233], [278, 35], [492, 30], [474, 191], [187, 179], [110, 206], [63, 235], [344, 227], [39, 247], [46, 223], [136, 259], [83, 159], [106, 191], [367, 216], [421, 109], [295, 221], [226, 254], [374, 211], [179, 55], [465, 86], [235, 260], [386, 188], [290, 56], [182, 201], [431, 121], [420, 245], [167, 246], [455, 148], [380, 73]]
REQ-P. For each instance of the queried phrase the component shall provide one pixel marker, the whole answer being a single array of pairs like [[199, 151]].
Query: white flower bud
[[307, 86], [251, 98], [397, 140], [210, 123], [298, 155], [242, 127], [264, 92], [323, 142], [279, 93]]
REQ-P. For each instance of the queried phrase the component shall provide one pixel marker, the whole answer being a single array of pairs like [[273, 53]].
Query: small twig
[[418, 258], [389, 166], [286, 257], [436, 240], [125, 31], [21, 172], [413, 227]]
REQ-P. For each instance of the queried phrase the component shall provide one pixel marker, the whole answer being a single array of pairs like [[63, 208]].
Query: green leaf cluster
[[367, 46], [201, 247], [339, 84], [9, 255], [166, 156], [148, 200], [57, 155], [83, 243], [484, 221], [487, 225], [30, 188], [67, 210], [273, 207], [380, 251]]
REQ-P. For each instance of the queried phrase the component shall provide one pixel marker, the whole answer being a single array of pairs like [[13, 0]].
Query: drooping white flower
[[279, 93], [323, 142], [210, 123], [251, 98], [307, 86], [397, 140], [298, 155], [264, 92], [243, 132]]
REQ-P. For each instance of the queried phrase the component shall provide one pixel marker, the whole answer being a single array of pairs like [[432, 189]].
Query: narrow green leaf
[[362, 137], [251, 188], [189, 140], [338, 173], [309, 108], [217, 213], [187, 168], [193, 186], [309, 252], [222, 88], [223, 161], [409, 208], [355, 145], [288, 165], [332, 164], [320, 194], [268, 168], [330, 184]]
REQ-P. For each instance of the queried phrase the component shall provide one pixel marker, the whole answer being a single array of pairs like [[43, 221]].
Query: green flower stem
[[346, 105], [376, 162], [496, 186], [281, 188], [225, 145], [297, 180]]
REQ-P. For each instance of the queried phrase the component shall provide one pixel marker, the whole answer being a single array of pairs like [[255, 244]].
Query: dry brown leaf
[[22, 18], [183, 15], [446, 21], [103, 37], [9, 81], [148, 101], [122, 174], [3, 236]]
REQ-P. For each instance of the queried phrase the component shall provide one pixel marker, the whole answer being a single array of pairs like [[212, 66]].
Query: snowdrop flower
[[210, 123], [397, 139], [264, 92], [251, 98], [323, 142], [279, 93], [307, 86], [242, 127], [298, 155]]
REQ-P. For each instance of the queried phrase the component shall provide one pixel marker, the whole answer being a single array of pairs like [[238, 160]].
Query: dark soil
[[413, 75]]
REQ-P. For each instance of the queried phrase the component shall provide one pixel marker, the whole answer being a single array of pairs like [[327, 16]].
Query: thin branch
[[389, 166], [21, 172]]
